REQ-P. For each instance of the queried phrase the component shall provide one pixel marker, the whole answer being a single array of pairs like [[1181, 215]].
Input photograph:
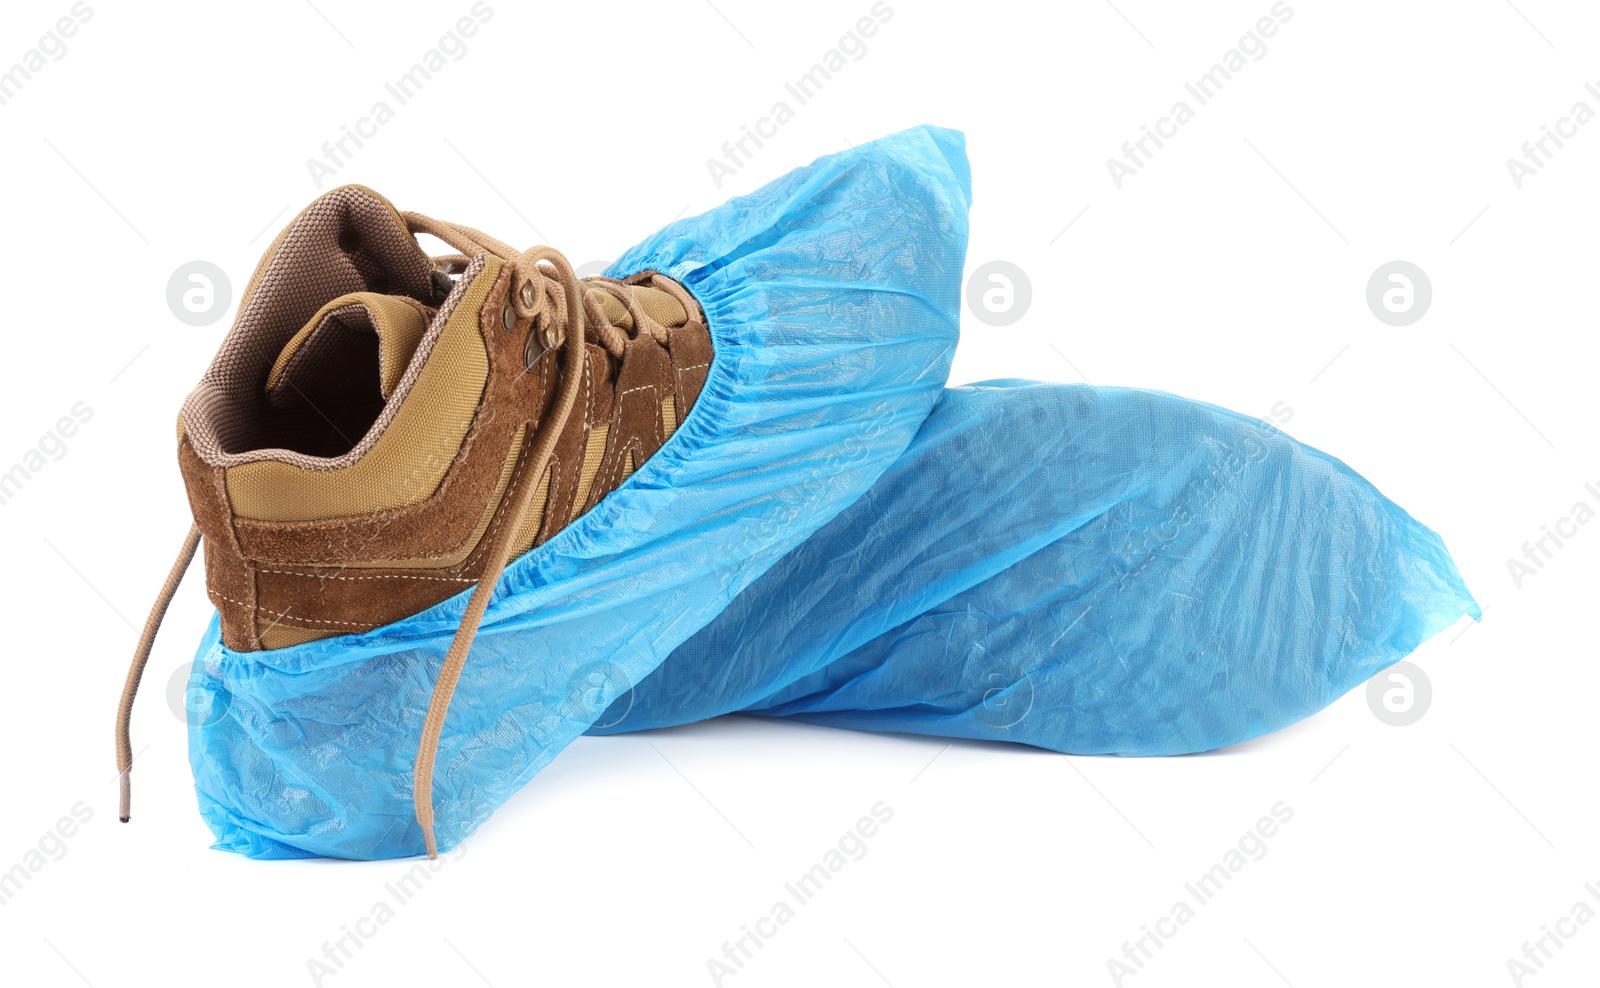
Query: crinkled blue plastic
[[1090, 570], [831, 296]]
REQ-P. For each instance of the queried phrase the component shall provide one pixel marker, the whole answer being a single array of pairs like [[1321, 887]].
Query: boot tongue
[[351, 336]]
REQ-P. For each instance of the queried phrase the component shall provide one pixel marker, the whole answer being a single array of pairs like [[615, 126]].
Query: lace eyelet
[[532, 350], [508, 317]]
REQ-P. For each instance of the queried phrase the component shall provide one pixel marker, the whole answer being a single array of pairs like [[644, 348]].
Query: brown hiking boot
[[364, 440], [375, 435]]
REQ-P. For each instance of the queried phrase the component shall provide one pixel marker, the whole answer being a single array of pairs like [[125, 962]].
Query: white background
[[1231, 269]]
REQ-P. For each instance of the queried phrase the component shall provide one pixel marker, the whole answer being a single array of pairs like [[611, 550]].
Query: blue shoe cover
[[831, 296], [1089, 570]]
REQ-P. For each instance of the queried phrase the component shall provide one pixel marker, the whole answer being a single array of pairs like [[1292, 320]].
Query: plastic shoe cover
[[831, 296], [1090, 570]]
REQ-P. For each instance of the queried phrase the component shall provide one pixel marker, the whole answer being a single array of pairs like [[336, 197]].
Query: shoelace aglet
[[126, 799]]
